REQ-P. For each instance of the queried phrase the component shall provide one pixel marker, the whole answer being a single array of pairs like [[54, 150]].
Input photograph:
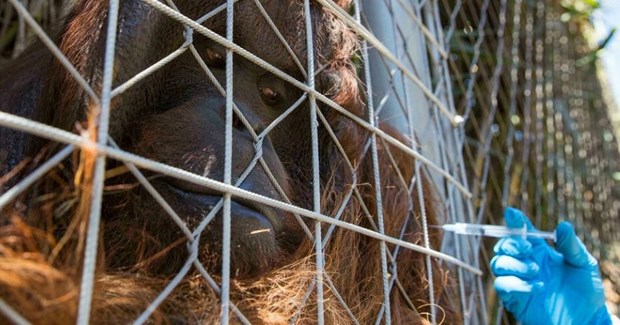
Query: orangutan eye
[[269, 95]]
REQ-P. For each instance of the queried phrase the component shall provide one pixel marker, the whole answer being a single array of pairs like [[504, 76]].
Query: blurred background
[[547, 88]]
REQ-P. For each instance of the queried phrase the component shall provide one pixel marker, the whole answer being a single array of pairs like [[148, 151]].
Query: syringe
[[472, 229]]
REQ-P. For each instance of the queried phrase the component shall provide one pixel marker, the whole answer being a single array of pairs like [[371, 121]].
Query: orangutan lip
[[269, 214]]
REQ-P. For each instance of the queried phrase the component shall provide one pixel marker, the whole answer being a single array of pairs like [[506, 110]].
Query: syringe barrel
[[496, 231], [483, 230]]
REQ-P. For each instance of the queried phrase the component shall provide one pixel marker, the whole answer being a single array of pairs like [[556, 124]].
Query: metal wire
[[377, 178], [319, 96], [11, 314], [94, 218], [228, 138], [316, 177], [25, 183]]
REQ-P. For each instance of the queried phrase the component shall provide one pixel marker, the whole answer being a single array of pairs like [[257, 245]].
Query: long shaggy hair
[[42, 235]]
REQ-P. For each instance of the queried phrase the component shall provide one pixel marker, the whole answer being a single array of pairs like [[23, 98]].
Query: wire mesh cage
[[538, 132], [254, 161]]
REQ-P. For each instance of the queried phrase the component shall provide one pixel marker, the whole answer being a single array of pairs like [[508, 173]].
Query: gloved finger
[[517, 294], [513, 246], [516, 219], [507, 265], [570, 246], [510, 285]]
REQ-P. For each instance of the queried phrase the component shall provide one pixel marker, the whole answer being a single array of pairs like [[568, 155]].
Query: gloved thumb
[[515, 218], [570, 246]]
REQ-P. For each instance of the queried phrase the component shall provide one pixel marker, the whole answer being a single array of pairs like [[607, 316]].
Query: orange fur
[[41, 245]]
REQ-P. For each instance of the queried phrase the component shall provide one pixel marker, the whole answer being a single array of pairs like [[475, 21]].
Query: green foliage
[[579, 9], [591, 58]]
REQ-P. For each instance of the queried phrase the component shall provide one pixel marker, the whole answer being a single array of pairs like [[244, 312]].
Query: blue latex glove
[[542, 285]]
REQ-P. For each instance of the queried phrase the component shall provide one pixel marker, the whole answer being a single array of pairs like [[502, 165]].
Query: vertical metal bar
[[94, 218], [225, 302], [429, 265], [316, 176], [430, 67], [377, 176]]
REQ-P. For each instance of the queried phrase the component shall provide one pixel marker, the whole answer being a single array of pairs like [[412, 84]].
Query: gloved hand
[[542, 285]]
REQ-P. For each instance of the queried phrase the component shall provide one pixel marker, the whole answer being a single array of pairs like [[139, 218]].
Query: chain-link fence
[[538, 135], [285, 161]]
